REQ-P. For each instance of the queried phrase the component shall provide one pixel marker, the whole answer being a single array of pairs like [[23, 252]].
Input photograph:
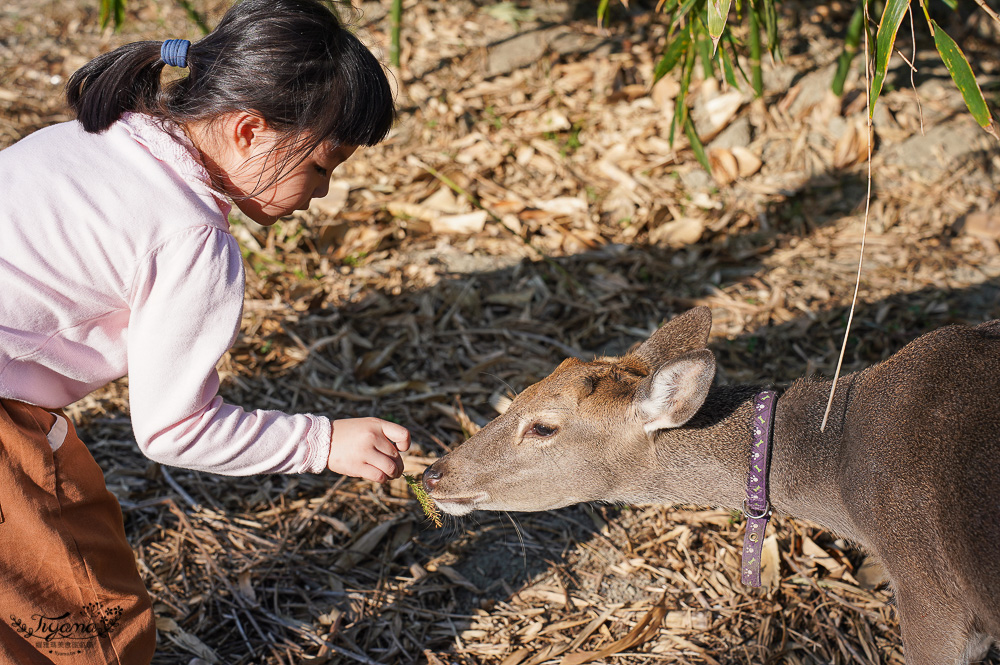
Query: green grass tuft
[[425, 500]]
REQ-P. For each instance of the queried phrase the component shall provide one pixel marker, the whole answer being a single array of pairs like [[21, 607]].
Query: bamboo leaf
[[851, 42], [118, 13], [718, 12], [106, 12], [670, 6], [673, 124], [673, 53], [689, 60], [757, 76], [602, 11], [706, 48], [892, 16], [727, 68], [192, 14], [696, 144], [770, 15], [734, 61], [680, 102], [395, 30], [961, 72], [684, 9]]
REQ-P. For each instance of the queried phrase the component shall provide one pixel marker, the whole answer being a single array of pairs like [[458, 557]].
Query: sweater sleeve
[[186, 305]]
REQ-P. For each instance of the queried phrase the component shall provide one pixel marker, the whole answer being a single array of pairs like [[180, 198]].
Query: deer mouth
[[460, 505]]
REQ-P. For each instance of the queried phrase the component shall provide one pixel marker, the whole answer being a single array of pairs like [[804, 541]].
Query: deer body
[[908, 466]]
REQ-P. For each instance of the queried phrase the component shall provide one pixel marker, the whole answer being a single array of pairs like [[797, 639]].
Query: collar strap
[[756, 507]]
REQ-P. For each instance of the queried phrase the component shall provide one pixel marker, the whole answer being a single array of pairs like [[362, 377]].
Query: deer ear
[[671, 395], [686, 332]]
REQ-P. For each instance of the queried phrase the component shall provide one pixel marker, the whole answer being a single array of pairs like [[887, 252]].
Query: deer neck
[[708, 459], [807, 465]]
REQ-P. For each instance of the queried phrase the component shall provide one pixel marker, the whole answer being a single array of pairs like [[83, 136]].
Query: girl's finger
[[398, 434], [384, 467], [391, 464], [385, 447], [373, 473]]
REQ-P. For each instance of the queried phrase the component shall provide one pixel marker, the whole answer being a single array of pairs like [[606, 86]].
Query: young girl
[[116, 259]]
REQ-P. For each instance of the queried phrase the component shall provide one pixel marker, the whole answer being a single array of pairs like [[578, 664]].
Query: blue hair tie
[[174, 52]]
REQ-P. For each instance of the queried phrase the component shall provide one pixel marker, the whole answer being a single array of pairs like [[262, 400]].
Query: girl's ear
[[671, 395], [246, 131]]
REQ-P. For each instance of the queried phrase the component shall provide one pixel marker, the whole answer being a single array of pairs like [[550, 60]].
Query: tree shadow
[[479, 563]]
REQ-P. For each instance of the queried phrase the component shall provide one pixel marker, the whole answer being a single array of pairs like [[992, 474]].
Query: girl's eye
[[538, 429], [323, 172]]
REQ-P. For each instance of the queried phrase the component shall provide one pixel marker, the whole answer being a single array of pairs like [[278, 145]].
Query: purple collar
[[756, 506]]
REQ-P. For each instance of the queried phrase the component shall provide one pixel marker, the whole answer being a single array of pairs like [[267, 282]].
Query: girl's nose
[[322, 190]]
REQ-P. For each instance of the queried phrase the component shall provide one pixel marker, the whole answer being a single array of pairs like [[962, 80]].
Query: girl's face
[[246, 155], [298, 184]]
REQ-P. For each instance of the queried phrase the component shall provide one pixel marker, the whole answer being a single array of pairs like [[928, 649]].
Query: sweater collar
[[167, 142]]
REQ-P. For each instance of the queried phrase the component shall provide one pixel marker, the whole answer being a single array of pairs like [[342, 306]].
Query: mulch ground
[[528, 207]]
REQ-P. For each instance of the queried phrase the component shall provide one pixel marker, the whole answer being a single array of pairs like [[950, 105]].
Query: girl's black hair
[[290, 61]]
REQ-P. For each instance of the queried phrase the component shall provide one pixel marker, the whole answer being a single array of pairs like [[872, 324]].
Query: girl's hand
[[368, 448]]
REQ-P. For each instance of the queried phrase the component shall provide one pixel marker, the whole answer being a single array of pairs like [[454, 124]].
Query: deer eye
[[538, 429]]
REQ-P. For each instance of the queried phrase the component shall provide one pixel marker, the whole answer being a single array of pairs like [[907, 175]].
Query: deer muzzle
[[450, 503]]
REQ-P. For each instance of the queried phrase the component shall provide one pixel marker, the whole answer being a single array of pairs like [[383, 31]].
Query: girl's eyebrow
[[331, 161], [338, 155]]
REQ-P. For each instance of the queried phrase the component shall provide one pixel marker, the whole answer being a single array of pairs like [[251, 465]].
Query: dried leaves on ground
[[529, 206]]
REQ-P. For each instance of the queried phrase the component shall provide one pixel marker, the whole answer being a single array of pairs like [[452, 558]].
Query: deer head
[[582, 432]]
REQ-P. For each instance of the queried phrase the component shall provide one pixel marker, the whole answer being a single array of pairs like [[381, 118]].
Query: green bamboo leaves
[[697, 32], [602, 11], [961, 73], [952, 56], [112, 10], [676, 49]]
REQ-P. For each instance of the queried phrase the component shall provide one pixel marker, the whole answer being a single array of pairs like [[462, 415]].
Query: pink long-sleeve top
[[116, 259]]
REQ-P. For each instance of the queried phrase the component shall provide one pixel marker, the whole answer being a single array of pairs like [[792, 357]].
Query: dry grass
[[594, 231]]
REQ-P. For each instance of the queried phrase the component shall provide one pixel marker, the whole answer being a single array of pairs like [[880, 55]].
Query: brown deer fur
[[908, 467]]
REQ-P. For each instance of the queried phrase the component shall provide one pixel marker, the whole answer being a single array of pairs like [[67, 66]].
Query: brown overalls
[[70, 592]]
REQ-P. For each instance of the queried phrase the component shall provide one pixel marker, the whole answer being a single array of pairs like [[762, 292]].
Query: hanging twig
[[982, 4], [864, 235]]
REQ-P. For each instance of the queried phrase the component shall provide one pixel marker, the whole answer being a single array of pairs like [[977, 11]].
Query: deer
[[907, 466]]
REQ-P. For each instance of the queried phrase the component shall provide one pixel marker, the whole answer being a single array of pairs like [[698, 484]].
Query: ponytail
[[126, 79]]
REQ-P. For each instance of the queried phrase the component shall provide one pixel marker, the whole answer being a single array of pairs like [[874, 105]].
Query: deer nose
[[431, 477]]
